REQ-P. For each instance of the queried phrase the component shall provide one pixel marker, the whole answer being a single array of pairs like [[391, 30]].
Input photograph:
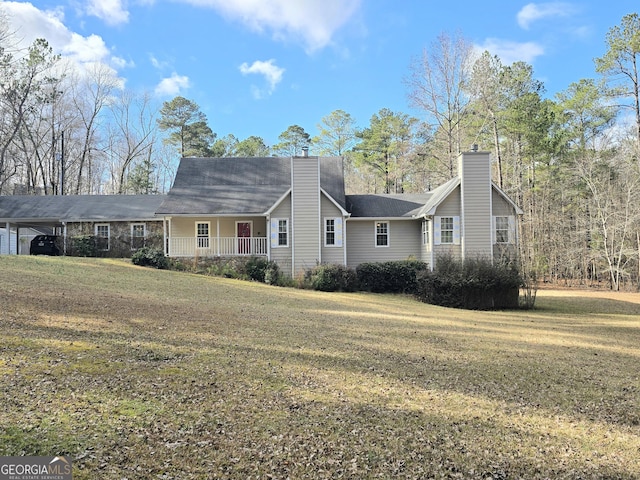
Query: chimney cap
[[305, 151], [474, 147]]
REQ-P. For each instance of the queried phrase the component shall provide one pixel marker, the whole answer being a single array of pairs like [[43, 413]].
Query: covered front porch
[[216, 237]]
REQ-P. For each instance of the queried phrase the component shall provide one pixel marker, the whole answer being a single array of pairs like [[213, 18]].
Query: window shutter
[[338, 231], [456, 230], [274, 232], [493, 230], [436, 230], [512, 229]]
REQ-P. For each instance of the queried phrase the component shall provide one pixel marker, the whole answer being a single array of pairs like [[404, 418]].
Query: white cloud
[[173, 85], [112, 12], [533, 12], [271, 72], [31, 23], [510, 51], [312, 21]]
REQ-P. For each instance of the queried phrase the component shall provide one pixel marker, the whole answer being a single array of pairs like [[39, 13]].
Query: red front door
[[244, 237]]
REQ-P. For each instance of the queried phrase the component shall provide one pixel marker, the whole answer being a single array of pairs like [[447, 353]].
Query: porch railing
[[216, 246]]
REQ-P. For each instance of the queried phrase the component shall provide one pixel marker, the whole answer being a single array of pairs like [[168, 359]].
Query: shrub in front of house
[[256, 267], [83, 246], [390, 277], [150, 257], [273, 275], [476, 284], [333, 278]]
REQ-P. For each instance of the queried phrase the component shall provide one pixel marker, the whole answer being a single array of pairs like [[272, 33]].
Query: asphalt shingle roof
[[54, 208], [386, 205], [218, 186]]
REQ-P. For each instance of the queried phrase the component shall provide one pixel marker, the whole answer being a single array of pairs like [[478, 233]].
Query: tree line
[[571, 162]]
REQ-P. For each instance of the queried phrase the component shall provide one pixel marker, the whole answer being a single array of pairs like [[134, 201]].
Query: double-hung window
[[446, 230], [333, 231], [502, 229], [102, 232], [382, 234], [202, 234], [138, 234], [283, 232], [330, 231], [279, 232], [425, 232]]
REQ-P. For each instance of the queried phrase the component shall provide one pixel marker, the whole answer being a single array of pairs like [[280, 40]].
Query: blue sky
[[256, 67]]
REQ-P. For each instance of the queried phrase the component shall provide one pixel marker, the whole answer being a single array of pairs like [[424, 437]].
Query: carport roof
[[28, 209]]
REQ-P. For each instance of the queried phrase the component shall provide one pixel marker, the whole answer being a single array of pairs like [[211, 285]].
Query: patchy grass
[[141, 373]]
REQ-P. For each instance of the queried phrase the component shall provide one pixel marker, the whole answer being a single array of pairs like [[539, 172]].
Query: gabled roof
[[241, 186], [438, 195], [76, 208]]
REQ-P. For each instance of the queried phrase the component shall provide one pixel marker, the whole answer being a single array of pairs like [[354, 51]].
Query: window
[[202, 234], [138, 234], [382, 234], [446, 230], [330, 231], [279, 232], [283, 232], [502, 229], [333, 232], [102, 236], [425, 232]]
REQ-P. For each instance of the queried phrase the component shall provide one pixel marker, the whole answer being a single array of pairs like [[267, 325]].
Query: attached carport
[[51, 213], [34, 214]]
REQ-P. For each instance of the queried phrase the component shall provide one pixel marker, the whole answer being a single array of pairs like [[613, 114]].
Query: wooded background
[[571, 162]]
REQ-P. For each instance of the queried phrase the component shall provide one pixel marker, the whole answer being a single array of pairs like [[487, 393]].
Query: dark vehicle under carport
[[44, 245]]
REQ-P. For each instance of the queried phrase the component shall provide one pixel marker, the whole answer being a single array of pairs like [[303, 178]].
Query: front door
[[244, 237]]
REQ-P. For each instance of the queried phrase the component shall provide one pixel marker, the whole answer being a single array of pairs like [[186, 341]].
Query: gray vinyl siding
[[330, 254], [476, 219], [404, 241], [450, 207], [305, 218], [500, 206], [282, 255]]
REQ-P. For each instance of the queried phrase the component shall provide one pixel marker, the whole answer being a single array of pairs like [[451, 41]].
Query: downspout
[[344, 240], [432, 236]]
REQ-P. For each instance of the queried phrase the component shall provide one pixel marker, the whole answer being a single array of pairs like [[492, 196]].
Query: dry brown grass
[[140, 373]]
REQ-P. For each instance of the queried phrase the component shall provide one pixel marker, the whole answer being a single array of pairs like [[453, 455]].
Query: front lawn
[[143, 373]]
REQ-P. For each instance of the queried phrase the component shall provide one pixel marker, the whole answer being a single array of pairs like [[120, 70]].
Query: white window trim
[[108, 237], [511, 229], [437, 230], [375, 233], [275, 233], [337, 232], [426, 240], [144, 232]]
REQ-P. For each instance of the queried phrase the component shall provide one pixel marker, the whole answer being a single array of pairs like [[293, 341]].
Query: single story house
[[295, 211], [116, 225]]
